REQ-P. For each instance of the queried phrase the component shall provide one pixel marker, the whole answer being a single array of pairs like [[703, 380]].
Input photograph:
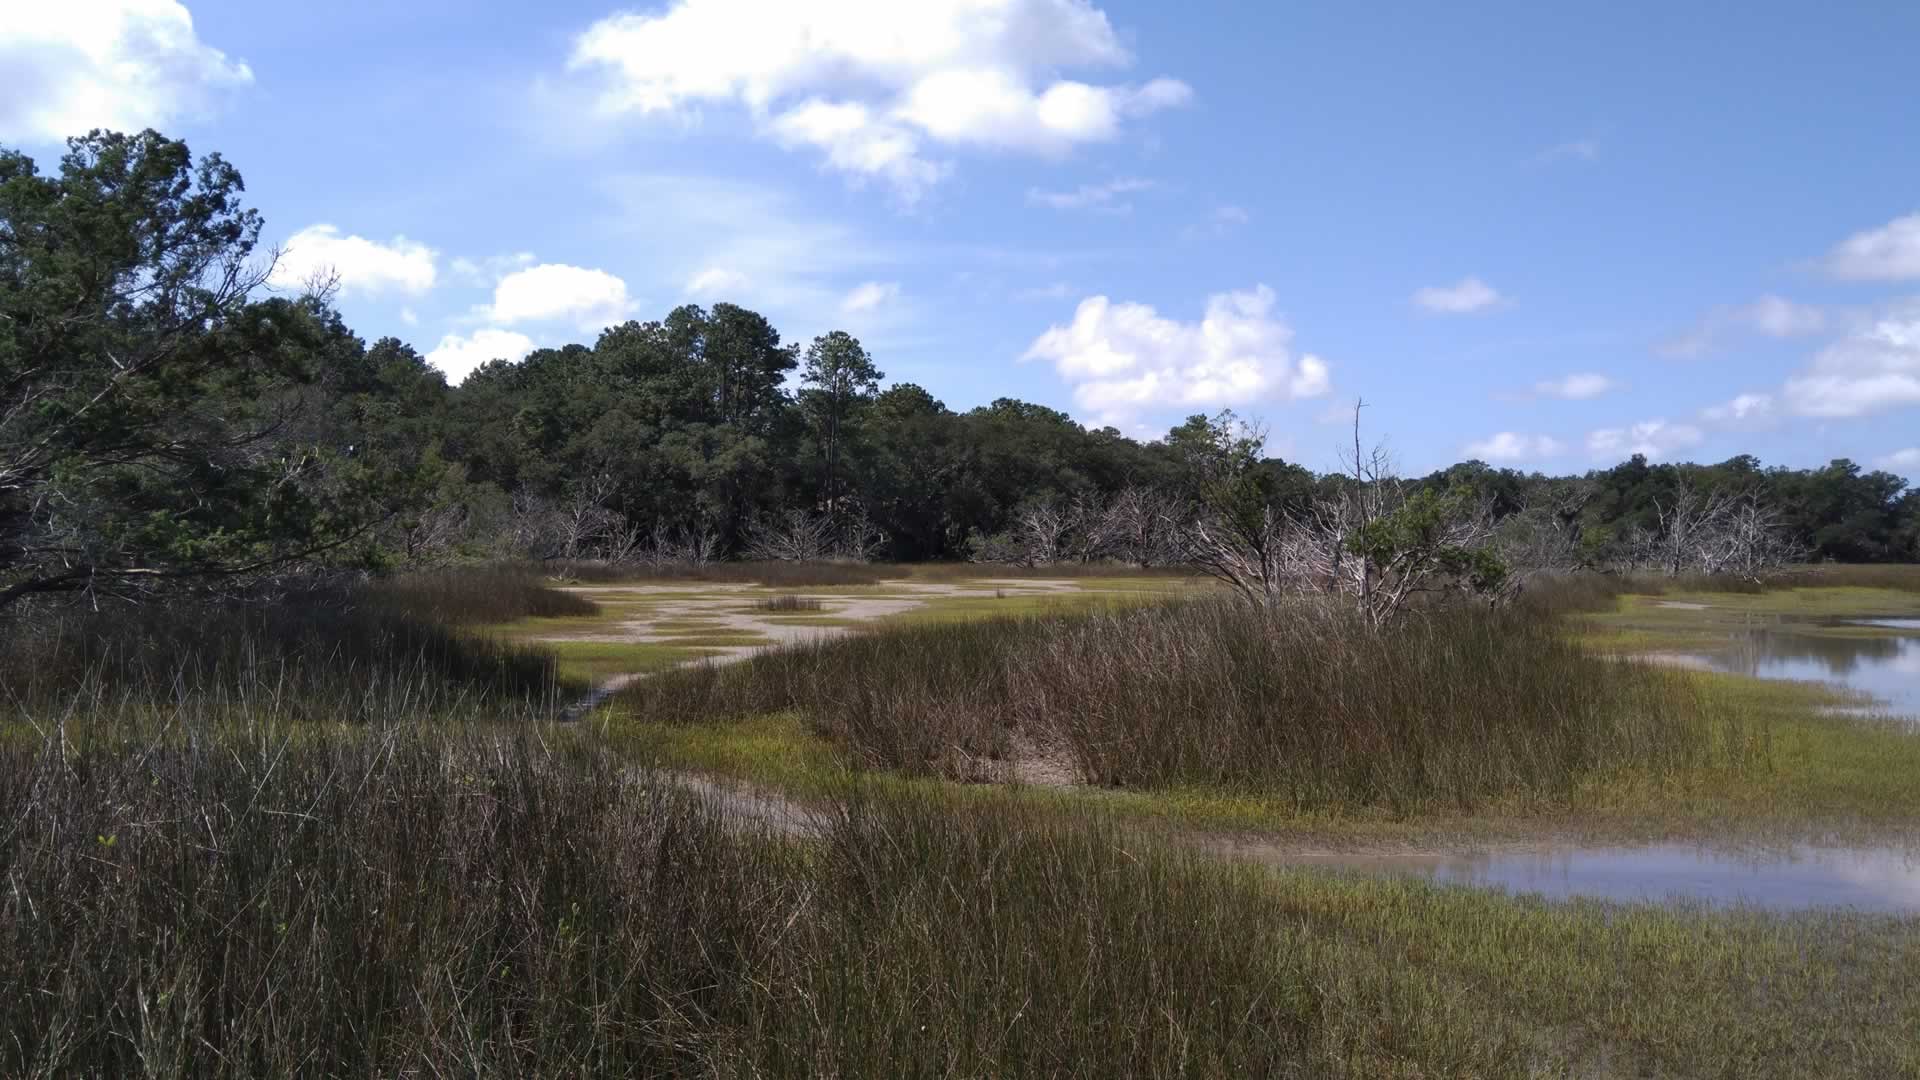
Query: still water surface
[[1885, 666], [1866, 880]]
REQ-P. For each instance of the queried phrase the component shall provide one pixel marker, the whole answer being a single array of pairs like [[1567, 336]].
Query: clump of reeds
[[1455, 705], [787, 602]]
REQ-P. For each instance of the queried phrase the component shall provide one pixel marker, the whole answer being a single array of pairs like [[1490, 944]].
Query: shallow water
[[1884, 666], [1867, 880]]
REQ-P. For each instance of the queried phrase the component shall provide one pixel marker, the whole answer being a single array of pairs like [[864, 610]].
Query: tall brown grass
[[319, 656], [495, 593], [493, 908], [1297, 703]]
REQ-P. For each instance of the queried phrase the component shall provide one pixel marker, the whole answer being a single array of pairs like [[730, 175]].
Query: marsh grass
[[501, 906], [788, 602], [318, 656], [469, 595], [401, 906], [1302, 706]]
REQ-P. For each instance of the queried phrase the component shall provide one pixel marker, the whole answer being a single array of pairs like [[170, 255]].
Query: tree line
[[166, 420]]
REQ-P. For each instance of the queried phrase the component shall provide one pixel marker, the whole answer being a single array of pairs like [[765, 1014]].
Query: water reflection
[[1886, 666], [1871, 880]]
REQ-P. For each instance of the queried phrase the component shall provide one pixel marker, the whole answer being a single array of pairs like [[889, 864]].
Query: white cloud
[[408, 316], [458, 356], [361, 265], [869, 296], [1653, 438], [590, 298], [1873, 368], [1771, 316], [1103, 198], [716, 282], [1222, 221], [1908, 459], [1576, 387], [1469, 295], [1126, 358], [1888, 253], [1514, 446], [66, 68], [859, 142], [872, 83], [1742, 409]]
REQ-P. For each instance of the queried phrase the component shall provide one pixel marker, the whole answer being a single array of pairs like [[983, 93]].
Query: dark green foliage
[[157, 422]]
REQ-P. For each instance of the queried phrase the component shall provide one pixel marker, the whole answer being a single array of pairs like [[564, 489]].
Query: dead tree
[[795, 536]]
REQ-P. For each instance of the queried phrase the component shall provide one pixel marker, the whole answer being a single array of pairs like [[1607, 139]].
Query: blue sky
[[1541, 236]]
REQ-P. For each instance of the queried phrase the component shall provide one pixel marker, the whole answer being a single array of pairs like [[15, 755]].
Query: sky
[[1547, 236]]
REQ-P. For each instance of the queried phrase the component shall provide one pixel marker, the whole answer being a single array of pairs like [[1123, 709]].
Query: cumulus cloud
[[590, 298], [1875, 367], [716, 282], [873, 84], [66, 68], [1652, 438], [1578, 386], [360, 265], [1103, 198], [1908, 460], [1126, 358], [1515, 446], [1888, 253], [869, 296], [458, 356], [1771, 316], [1468, 296]]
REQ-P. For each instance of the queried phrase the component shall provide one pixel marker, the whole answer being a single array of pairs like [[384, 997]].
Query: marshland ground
[[1050, 825]]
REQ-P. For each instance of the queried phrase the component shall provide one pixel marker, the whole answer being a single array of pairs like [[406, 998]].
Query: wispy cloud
[[1579, 386], [1465, 297], [1101, 198], [1571, 150], [1770, 316], [1515, 446]]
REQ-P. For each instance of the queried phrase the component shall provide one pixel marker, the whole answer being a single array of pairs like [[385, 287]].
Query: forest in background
[[166, 418]]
